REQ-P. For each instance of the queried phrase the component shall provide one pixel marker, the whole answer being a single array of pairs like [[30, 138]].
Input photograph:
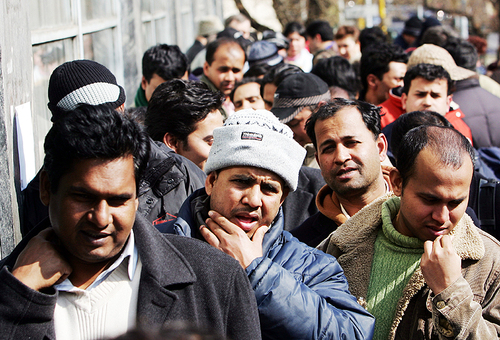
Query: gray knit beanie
[[257, 138]]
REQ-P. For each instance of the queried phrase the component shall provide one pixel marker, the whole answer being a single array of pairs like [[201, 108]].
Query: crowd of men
[[309, 185]]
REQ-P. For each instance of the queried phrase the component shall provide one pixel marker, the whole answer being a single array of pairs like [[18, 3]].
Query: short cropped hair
[[410, 120], [177, 105], [167, 61], [369, 113], [293, 27], [320, 27], [93, 132], [237, 17], [214, 46], [276, 75], [371, 36], [449, 144], [344, 31], [376, 58], [243, 82], [339, 72], [429, 72], [463, 52]]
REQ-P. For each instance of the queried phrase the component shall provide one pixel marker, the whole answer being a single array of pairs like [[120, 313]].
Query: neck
[[358, 199], [370, 97], [84, 273]]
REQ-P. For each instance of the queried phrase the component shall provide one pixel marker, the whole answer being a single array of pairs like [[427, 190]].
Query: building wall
[[36, 36]]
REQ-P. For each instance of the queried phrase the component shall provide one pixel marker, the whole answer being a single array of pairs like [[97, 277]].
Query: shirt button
[[440, 304]]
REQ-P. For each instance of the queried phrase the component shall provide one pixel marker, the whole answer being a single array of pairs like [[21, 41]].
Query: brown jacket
[[468, 309]]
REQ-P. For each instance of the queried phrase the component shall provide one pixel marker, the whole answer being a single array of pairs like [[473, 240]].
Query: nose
[[426, 101], [252, 197], [101, 215], [441, 214], [246, 104], [230, 76], [342, 154], [342, 51]]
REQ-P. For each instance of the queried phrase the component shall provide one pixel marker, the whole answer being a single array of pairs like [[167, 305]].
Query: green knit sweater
[[395, 259]]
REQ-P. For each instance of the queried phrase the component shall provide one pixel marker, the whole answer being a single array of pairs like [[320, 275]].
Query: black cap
[[83, 82], [296, 92]]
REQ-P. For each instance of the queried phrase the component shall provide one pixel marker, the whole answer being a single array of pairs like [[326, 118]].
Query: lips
[[437, 230], [95, 238], [247, 221], [345, 173]]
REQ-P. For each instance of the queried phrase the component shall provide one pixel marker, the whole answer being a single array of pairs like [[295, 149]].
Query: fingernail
[[210, 213]]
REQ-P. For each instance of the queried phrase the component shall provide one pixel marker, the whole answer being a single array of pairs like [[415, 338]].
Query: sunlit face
[[425, 95], [93, 210], [244, 27], [269, 91], [434, 198], [391, 79], [248, 197], [348, 154], [297, 44], [226, 68], [248, 96], [198, 144], [349, 48], [154, 82], [298, 126]]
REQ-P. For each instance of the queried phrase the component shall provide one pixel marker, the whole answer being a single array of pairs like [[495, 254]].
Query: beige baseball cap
[[433, 54]]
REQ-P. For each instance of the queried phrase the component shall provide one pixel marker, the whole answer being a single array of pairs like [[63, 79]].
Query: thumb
[[259, 234]]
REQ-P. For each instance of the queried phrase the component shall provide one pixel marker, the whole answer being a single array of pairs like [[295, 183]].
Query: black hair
[[369, 113], [276, 75], [410, 120], [214, 46], [137, 113], [293, 27], [429, 72], [449, 144], [177, 105], [167, 61], [339, 72], [436, 35], [178, 330], [376, 58], [258, 70], [320, 27], [371, 36], [463, 52], [90, 132], [243, 82]]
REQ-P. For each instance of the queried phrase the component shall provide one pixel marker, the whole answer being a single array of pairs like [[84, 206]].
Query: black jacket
[[301, 203], [181, 279]]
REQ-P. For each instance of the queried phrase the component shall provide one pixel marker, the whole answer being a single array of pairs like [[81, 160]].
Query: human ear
[[44, 188], [396, 182], [209, 182], [171, 141]]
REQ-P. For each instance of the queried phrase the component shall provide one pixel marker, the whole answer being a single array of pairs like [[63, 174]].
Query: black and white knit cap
[[296, 92], [256, 138], [83, 82]]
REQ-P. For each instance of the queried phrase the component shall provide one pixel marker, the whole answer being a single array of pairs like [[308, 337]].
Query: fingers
[[259, 234], [209, 236]]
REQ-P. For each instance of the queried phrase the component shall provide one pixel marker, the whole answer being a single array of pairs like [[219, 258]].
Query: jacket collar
[[467, 240], [194, 210]]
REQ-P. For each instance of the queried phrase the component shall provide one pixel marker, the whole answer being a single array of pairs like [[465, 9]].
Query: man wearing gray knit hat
[[301, 293]]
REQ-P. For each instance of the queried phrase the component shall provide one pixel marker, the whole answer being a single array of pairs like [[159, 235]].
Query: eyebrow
[[78, 189]]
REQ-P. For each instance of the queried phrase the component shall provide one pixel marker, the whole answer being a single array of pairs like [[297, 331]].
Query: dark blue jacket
[[301, 292]]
